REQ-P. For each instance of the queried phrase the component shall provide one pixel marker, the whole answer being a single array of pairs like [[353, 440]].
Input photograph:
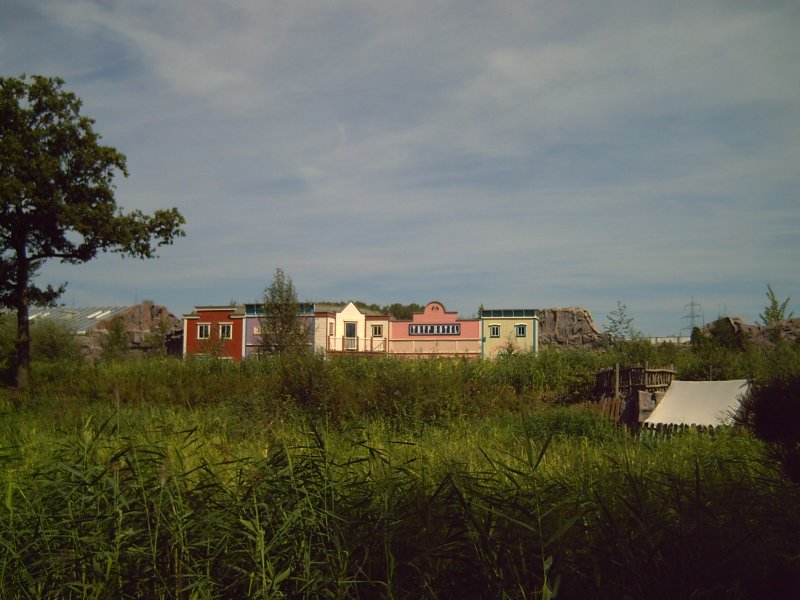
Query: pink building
[[435, 332]]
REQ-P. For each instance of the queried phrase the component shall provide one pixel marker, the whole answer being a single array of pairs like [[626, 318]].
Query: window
[[225, 331], [494, 331], [377, 331], [330, 329], [521, 330], [203, 331]]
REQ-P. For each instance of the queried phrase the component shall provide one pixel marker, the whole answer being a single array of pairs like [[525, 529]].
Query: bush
[[774, 413], [52, 341], [116, 344]]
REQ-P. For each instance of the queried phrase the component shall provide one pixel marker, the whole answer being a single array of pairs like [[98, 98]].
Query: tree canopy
[[283, 328], [775, 311], [620, 324], [402, 312], [56, 184]]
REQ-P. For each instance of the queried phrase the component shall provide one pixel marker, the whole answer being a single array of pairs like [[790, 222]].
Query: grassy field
[[376, 479]]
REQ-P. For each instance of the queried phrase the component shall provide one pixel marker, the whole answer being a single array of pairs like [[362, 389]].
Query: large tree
[[56, 184], [284, 327]]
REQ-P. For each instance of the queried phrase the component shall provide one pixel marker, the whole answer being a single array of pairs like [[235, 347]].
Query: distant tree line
[[403, 312]]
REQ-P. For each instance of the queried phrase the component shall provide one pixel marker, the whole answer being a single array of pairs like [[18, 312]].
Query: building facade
[[350, 329], [253, 323], [435, 332], [508, 330], [234, 332], [216, 331]]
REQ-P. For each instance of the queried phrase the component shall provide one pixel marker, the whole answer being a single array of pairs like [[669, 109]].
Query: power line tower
[[694, 317]]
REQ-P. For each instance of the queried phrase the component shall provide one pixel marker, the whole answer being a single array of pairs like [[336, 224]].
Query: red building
[[216, 331]]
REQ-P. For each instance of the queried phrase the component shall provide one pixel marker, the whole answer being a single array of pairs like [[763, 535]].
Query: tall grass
[[342, 387], [173, 502], [306, 478], [352, 385]]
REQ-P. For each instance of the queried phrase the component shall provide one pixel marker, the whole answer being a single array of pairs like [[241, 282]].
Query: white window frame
[[377, 331], [494, 330], [201, 327], [521, 329], [229, 328]]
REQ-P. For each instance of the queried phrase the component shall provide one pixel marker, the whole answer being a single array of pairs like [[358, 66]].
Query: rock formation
[[733, 331], [569, 327], [143, 319], [140, 321]]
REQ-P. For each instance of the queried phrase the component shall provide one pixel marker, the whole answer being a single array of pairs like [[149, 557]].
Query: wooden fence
[[617, 390], [622, 380], [611, 407], [664, 430]]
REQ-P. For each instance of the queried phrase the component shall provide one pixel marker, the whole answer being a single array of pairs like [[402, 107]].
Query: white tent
[[699, 403]]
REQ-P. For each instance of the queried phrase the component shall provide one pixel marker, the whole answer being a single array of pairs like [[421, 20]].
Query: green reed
[[173, 502], [311, 478]]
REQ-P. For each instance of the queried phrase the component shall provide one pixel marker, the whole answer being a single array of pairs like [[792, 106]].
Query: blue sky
[[510, 154]]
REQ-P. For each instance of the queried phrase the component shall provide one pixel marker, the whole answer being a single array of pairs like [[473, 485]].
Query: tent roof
[[700, 402], [77, 320]]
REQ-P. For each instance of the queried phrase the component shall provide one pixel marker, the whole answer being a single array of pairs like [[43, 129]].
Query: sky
[[506, 154]]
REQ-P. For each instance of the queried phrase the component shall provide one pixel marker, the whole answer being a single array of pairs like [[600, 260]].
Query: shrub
[[52, 341], [116, 343], [774, 413]]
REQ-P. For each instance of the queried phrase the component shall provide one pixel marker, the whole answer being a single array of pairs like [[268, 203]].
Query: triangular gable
[[351, 309], [708, 403]]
